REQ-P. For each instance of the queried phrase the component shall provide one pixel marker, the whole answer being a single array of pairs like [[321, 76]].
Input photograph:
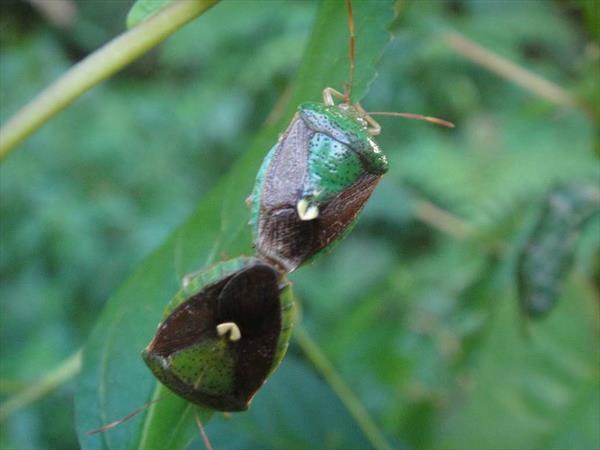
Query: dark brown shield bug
[[223, 334]]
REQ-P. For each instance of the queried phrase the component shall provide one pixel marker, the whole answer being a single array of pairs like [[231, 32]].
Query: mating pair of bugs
[[228, 328]]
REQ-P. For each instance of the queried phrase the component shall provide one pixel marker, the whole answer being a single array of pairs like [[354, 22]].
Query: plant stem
[[442, 220], [63, 372], [97, 67], [511, 71], [350, 401]]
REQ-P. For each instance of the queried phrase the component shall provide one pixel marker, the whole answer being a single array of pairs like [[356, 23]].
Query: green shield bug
[[223, 334], [316, 179]]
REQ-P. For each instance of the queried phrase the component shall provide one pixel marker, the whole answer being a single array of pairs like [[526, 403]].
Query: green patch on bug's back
[[288, 316], [215, 378], [347, 126], [342, 125], [332, 167], [255, 196]]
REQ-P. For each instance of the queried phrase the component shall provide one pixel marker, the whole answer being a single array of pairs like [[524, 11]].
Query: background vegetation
[[417, 310]]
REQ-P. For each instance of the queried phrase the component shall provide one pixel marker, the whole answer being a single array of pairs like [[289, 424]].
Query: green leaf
[[114, 380], [142, 9], [549, 253], [292, 401], [533, 390]]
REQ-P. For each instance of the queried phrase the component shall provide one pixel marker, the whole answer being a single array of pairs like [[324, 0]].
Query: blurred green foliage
[[424, 326]]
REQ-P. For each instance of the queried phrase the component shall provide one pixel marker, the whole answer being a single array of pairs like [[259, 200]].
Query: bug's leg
[[375, 128], [131, 415], [329, 93], [203, 435]]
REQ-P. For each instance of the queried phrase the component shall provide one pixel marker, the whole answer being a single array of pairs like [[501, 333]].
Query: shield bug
[[223, 334], [316, 179]]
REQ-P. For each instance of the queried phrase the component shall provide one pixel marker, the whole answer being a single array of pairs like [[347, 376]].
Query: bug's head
[[356, 112]]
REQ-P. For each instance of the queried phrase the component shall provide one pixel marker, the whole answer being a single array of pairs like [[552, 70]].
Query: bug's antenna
[[123, 419], [429, 119], [348, 86]]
